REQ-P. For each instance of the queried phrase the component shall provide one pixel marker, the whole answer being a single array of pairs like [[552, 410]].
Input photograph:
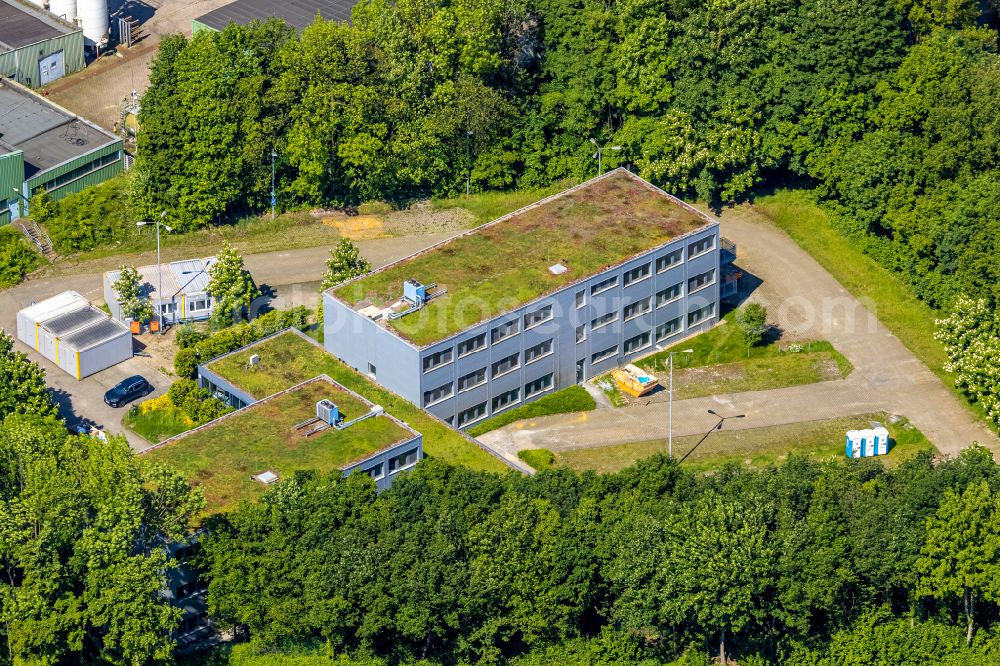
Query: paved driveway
[[806, 301]]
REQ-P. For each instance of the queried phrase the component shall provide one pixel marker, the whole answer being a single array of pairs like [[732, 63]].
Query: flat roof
[[22, 24], [298, 14], [48, 134], [74, 319], [95, 333], [223, 457], [187, 276], [505, 264]]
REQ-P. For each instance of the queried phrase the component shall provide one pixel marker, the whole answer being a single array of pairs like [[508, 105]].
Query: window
[[701, 246], [604, 285], [638, 342], [432, 361], [604, 320], [450, 420], [581, 333], [504, 331], [472, 380], [198, 304], [701, 314], [701, 281], [505, 365], [636, 274], [438, 394], [601, 355], [669, 259], [664, 331], [633, 310], [537, 317], [403, 460], [168, 308], [668, 295], [537, 352], [375, 471], [371, 369], [581, 298], [81, 171], [537, 386], [473, 344], [472, 414], [506, 399]]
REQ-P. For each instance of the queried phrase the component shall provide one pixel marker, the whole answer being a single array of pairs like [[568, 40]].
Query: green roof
[[288, 359], [223, 457], [504, 264]]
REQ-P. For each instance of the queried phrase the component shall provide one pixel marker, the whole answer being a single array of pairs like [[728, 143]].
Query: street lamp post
[[670, 403], [717, 426], [274, 154], [159, 267], [600, 153]]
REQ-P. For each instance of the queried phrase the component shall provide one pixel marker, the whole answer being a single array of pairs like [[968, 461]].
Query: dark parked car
[[128, 390]]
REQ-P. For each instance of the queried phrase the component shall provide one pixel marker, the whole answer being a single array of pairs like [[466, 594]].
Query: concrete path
[[805, 301], [292, 277]]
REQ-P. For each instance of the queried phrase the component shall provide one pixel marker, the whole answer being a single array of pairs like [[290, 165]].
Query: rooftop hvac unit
[[267, 478], [414, 292], [254, 360], [327, 412]]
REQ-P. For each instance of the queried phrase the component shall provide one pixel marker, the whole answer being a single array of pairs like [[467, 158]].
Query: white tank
[[64, 9], [37, 3], [94, 20]]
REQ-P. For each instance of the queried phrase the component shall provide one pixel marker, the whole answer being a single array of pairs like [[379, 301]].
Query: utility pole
[[274, 200], [159, 266], [468, 163]]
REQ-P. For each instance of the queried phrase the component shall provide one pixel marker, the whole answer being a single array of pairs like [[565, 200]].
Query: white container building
[[70, 332]]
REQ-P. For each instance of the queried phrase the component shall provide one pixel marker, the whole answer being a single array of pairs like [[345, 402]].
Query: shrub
[[186, 360], [538, 458], [16, 258], [752, 322], [97, 215], [189, 336], [572, 399]]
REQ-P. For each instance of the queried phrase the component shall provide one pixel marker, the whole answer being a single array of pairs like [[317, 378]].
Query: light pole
[[670, 403], [717, 426], [468, 165], [18, 193], [274, 200], [600, 153], [159, 267]]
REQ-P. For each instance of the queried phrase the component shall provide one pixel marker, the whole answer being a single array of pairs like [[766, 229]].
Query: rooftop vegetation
[[502, 266], [287, 359], [222, 459]]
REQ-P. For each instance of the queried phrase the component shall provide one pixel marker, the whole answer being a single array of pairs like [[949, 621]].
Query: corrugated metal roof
[[70, 321], [188, 276], [95, 334], [54, 306], [298, 14]]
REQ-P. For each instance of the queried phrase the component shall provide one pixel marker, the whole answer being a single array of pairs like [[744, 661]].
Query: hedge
[[187, 360], [572, 399]]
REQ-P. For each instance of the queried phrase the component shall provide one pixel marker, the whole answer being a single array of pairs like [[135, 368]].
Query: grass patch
[[488, 206], [158, 424], [501, 267], [755, 447], [539, 459], [222, 459], [607, 386], [571, 399], [287, 360], [721, 363]]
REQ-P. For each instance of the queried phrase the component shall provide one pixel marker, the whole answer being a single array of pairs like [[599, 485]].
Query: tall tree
[[230, 285], [22, 383]]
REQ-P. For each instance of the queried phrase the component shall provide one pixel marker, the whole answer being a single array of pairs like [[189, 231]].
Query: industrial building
[[546, 297], [183, 296], [79, 338], [298, 14], [36, 46], [44, 146]]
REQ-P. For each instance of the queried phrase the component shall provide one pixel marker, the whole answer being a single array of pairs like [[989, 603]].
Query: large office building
[[36, 46], [44, 146], [559, 292]]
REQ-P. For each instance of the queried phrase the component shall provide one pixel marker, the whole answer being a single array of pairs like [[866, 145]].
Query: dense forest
[[888, 109]]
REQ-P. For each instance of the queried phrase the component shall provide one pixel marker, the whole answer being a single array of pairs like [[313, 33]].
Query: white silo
[[94, 20], [37, 3], [64, 9]]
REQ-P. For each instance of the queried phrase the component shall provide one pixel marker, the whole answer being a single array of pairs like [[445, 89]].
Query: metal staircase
[[38, 238]]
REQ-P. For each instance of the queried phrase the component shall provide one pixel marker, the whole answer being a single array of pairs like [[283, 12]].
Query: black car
[[128, 390]]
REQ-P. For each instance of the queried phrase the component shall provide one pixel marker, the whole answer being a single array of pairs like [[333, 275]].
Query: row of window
[[395, 464], [545, 313], [81, 171], [478, 377], [662, 332], [506, 399]]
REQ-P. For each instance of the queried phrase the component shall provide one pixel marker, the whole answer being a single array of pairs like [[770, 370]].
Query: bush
[[97, 215], [572, 399], [538, 458], [187, 359], [16, 257], [189, 336]]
